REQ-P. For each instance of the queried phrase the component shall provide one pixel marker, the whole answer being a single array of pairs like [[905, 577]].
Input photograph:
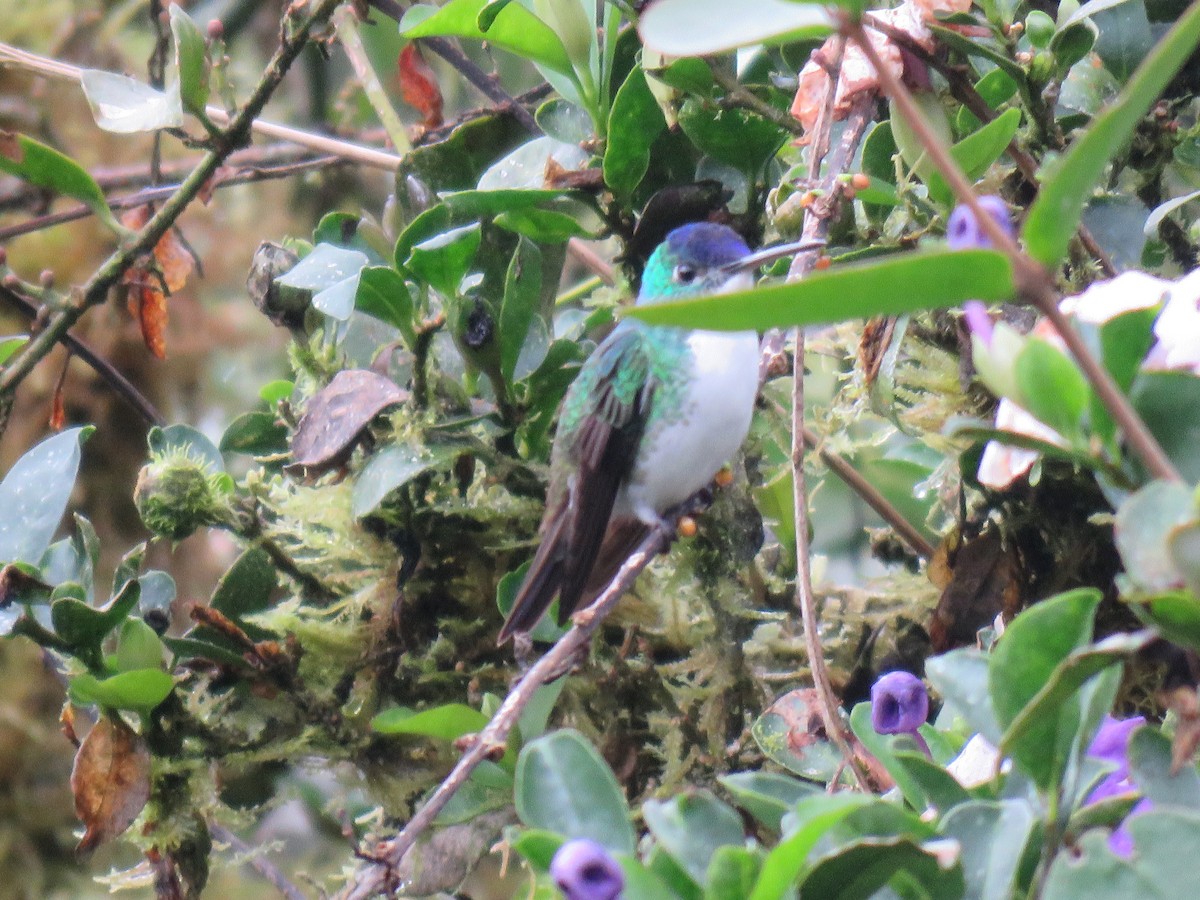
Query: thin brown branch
[[121, 385], [152, 195], [1032, 280], [379, 875], [737, 94], [293, 39], [816, 225], [263, 866]]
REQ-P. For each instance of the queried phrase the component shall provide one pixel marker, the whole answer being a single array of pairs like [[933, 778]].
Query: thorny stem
[[381, 875], [1032, 280], [292, 41], [816, 224]]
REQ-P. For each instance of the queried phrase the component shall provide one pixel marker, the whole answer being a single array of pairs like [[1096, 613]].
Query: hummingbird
[[651, 417]]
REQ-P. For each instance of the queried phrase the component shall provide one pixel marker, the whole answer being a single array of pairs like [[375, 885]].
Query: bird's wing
[[600, 428]]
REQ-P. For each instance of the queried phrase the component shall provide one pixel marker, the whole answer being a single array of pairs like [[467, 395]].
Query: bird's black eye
[[685, 274]]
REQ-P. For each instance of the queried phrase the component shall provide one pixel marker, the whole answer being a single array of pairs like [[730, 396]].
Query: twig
[[151, 195], [736, 94], [1032, 280], [379, 876], [486, 84], [293, 39], [102, 367], [258, 862], [871, 496], [816, 224]]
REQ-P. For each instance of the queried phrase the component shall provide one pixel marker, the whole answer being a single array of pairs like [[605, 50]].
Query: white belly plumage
[[681, 453]]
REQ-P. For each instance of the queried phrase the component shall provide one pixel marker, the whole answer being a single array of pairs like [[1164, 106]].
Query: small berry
[[687, 527], [860, 182], [822, 263], [215, 29], [724, 478]]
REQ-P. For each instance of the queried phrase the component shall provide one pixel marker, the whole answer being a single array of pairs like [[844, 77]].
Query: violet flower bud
[[1111, 744], [584, 870], [899, 703], [963, 230], [978, 321]]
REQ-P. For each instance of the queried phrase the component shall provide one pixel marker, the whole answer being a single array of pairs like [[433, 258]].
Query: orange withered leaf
[[419, 87], [148, 285], [110, 780]]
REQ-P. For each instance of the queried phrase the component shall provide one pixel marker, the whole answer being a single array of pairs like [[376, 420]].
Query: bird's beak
[[770, 254]]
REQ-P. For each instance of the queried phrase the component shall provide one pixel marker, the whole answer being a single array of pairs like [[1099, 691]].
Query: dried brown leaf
[[148, 285], [110, 781], [419, 87], [336, 416], [984, 582]]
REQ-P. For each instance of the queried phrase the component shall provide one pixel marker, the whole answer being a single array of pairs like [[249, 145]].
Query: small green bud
[[1040, 28], [177, 493]]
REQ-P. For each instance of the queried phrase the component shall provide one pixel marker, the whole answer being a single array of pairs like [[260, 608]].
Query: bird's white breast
[[681, 452]]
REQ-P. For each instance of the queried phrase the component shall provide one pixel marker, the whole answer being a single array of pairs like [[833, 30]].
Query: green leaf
[[524, 169], [812, 818], [140, 690], [522, 291], [1169, 403], [564, 785], [939, 787], [1152, 768], [731, 873], [138, 647], [83, 627], [1069, 676], [537, 846], [34, 495], [191, 58], [993, 836], [125, 105], [691, 826], [634, 123], [514, 28], [257, 433], [184, 438], [1051, 387], [446, 723], [332, 274], [928, 279], [47, 168], [247, 586], [490, 787], [976, 152], [11, 344], [781, 733], [564, 121], [1065, 190], [1175, 613], [545, 226], [443, 261], [1144, 521], [858, 870], [735, 137], [766, 795], [1163, 864], [1124, 342], [707, 27], [383, 294], [391, 468], [880, 746], [1021, 664]]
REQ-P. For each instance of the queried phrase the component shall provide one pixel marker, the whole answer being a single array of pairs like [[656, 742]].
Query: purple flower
[[1111, 744], [979, 322], [963, 231], [584, 870], [899, 703]]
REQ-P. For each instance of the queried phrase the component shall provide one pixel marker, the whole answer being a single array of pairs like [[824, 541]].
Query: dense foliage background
[[278, 404]]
